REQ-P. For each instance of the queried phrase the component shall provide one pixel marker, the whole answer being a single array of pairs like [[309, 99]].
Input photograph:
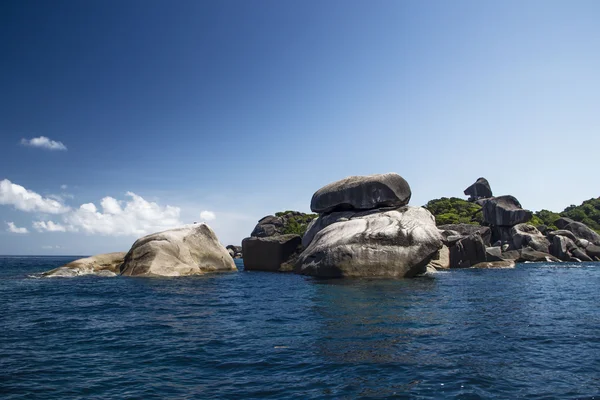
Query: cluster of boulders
[[366, 229], [363, 227], [188, 250], [269, 247], [234, 251], [505, 236]]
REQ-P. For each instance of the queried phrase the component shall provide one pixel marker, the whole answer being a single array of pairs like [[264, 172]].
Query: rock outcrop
[[524, 235], [101, 265], [234, 251], [479, 190], [468, 251], [463, 230], [275, 242], [270, 253], [389, 243], [504, 211], [362, 193], [189, 250]]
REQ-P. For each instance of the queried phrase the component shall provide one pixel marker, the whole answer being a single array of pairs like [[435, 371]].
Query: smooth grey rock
[[396, 243], [493, 254], [495, 264], [582, 231], [593, 251], [110, 262], [441, 260], [324, 220], [524, 235], [268, 254], [268, 226], [480, 189], [189, 250], [468, 229], [531, 255], [362, 193], [580, 254], [562, 222], [467, 252], [505, 211], [511, 255], [562, 232], [562, 247]]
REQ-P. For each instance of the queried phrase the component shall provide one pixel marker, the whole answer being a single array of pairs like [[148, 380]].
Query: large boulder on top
[[268, 226], [479, 190], [189, 250], [269, 253], [101, 264], [505, 211], [524, 235], [362, 193], [396, 243]]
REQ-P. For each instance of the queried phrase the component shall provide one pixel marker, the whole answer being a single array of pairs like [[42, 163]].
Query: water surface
[[530, 332]]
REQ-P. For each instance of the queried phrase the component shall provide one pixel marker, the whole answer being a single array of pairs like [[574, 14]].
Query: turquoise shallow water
[[531, 333]]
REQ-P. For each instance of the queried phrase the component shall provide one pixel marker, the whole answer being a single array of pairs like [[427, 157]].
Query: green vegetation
[[545, 217], [295, 222], [454, 211], [588, 213]]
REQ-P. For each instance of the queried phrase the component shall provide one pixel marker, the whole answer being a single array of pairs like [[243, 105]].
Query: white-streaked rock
[[188, 250], [395, 243], [101, 264]]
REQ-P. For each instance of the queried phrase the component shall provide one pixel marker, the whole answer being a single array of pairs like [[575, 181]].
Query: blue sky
[[244, 108]]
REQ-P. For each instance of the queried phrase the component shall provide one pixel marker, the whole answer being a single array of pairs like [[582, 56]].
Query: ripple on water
[[528, 332]]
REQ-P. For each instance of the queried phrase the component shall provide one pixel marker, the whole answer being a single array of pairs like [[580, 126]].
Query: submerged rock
[[495, 264], [362, 193], [189, 250], [395, 243], [101, 264]]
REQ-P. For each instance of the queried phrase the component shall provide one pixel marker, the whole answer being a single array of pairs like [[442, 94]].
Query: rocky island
[[363, 226]]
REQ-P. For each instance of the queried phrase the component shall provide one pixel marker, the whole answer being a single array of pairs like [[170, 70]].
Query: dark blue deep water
[[531, 333]]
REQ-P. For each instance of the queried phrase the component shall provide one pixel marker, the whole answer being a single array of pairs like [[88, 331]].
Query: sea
[[532, 332]]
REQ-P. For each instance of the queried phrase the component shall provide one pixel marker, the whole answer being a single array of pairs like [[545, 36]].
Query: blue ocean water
[[530, 332]]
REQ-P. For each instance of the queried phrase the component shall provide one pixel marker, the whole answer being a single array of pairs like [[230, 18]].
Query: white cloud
[[207, 215], [48, 226], [47, 247], [64, 187], [136, 217], [132, 217], [14, 229], [27, 200], [44, 143]]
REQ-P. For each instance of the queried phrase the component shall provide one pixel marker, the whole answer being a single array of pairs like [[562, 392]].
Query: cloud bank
[[134, 217], [14, 229], [44, 143], [27, 200]]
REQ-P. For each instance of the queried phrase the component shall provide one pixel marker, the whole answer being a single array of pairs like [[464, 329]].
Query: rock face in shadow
[[479, 190], [395, 243], [269, 253], [581, 231], [362, 193], [189, 250], [505, 211], [101, 264], [467, 252]]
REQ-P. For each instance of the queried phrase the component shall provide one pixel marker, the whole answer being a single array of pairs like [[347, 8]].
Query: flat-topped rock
[[362, 193], [101, 264], [505, 211], [189, 250], [396, 243]]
